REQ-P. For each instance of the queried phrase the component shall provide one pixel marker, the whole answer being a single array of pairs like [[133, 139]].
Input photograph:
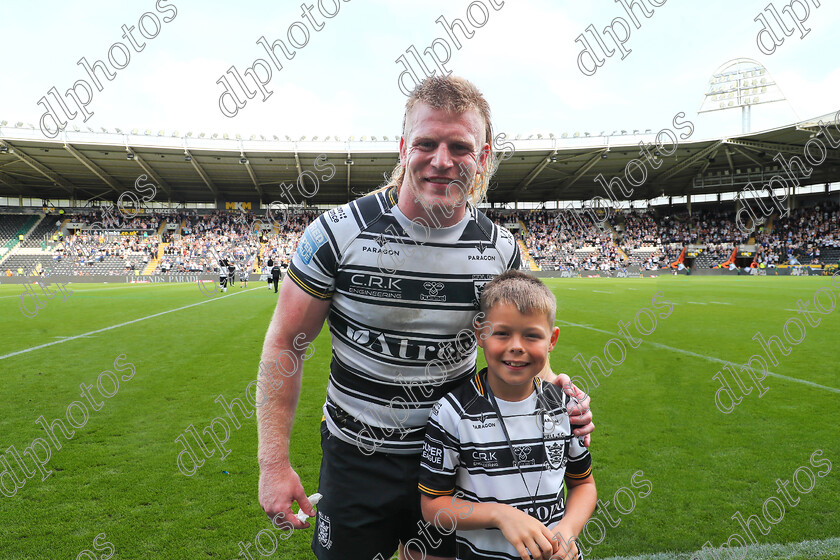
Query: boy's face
[[517, 349]]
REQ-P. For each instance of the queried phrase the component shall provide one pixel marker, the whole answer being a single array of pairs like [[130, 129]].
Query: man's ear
[[555, 334], [483, 157], [403, 153]]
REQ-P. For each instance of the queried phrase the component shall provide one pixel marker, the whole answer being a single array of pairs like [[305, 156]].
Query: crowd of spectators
[[801, 236], [640, 230], [280, 248], [90, 248], [560, 240], [555, 239], [114, 218]]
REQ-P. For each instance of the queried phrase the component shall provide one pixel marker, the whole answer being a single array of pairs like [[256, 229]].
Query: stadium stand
[[192, 241], [557, 241], [12, 225]]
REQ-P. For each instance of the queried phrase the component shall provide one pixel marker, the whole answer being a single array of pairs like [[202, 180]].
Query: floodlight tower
[[740, 82]]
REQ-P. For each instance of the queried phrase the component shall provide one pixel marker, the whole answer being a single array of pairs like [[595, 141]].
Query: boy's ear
[[555, 334], [479, 339]]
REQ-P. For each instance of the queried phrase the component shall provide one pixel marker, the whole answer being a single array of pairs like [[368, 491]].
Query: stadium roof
[[96, 165]]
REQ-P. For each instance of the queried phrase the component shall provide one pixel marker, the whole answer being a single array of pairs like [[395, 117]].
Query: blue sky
[[344, 81]]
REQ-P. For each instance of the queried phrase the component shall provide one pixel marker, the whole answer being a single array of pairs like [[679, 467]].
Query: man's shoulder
[[335, 230], [499, 237], [360, 213]]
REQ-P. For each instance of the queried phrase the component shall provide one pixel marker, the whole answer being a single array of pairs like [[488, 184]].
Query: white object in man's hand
[[313, 499]]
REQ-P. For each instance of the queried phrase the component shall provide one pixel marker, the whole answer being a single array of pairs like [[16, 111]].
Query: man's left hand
[[579, 413]]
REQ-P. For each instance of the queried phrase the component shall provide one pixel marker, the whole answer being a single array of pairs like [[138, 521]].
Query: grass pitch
[[655, 413]]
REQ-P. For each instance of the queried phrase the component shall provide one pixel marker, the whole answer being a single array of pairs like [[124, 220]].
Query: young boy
[[501, 441]]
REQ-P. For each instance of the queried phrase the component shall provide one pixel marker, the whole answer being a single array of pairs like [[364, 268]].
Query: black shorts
[[370, 505]]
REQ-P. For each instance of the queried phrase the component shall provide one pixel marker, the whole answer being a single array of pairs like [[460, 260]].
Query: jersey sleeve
[[314, 265], [441, 451], [580, 461]]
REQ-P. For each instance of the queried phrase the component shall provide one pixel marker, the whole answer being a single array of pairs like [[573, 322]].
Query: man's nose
[[442, 159]]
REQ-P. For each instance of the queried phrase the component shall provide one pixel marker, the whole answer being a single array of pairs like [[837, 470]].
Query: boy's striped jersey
[[466, 454]]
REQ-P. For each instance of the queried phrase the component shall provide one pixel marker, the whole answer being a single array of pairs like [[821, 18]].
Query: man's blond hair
[[456, 95], [524, 291]]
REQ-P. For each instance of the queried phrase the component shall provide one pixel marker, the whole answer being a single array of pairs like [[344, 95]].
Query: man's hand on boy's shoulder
[[580, 414]]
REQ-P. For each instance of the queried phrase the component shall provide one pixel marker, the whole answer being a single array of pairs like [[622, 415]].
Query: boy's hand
[[524, 532], [580, 416], [564, 542]]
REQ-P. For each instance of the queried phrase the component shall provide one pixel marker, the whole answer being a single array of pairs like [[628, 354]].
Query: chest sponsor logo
[[522, 455], [485, 459], [404, 348], [366, 249], [481, 248], [376, 286], [432, 292]]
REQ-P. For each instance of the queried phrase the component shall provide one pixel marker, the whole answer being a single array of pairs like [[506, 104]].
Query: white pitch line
[[702, 356], [79, 290], [601, 292], [3, 357], [696, 302], [720, 303], [762, 551], [633, 289]]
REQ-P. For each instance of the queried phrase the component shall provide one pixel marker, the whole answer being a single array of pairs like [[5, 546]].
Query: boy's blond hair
[[526, 292], [456, 95]]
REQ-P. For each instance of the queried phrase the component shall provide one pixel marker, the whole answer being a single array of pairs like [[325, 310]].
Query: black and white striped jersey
[[403, 302], [466, 454]]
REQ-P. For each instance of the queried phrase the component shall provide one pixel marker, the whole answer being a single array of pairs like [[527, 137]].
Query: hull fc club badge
[[324, 531], [555, 452]]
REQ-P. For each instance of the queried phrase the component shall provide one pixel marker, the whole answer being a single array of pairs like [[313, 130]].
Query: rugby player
[[388, 327], [223, 274]]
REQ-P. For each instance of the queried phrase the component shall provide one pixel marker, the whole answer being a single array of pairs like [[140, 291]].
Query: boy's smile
[[517, 349]]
